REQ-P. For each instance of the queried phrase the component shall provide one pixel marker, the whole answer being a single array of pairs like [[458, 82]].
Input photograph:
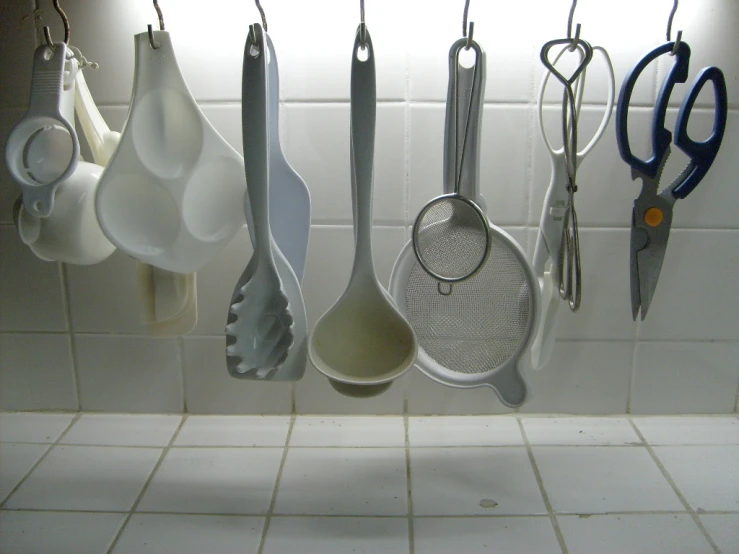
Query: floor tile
[[708, 476], [123, 430], [214, 481], [32, 427], [464, 431], [343, 481], [233, 431], [190, 534], [474, 481], [348, 431], [16, 460], [57, 532], [600, 479], [579, 431], [87, 478], [722, 529], [477, 535], [635, 534], [337, 535], [689, 430]]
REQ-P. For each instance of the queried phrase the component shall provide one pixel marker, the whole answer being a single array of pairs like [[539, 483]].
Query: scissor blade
[[639, 241]]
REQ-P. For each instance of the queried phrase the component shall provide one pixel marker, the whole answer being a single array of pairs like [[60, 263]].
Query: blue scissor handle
[[702, 153], [661, 137]]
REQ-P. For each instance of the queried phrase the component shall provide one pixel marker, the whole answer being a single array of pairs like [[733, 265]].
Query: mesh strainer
[[474, 333], [451, 237]]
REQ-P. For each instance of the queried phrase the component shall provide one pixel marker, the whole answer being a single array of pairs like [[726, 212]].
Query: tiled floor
[[130, 484]]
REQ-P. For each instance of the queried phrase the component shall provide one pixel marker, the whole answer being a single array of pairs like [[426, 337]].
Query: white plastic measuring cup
[[172, 195]]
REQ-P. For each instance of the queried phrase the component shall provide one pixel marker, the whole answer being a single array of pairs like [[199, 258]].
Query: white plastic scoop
[[173, 193], [42, 149], [362, 343]]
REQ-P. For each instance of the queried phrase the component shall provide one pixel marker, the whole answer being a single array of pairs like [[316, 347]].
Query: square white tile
[[689, 430], [209, 389], [708, 476], [579, 431], [343, 481], [477, 535], [337, 535], [233, 431], [87, 478], [214, 481], [28, 360], [16, 460], [695, 260], [636, 534], [123, 430], [190, 534], [317, 144], [582, 377], [15, 83], [601, 479], [30, 289], [128, 374], [722, 529], [32, 427], [685, 377], [464, 431], [46, 532], [349, 431], [474, 481]]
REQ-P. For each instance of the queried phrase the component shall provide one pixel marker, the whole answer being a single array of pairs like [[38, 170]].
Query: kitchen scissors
[[548, 253], [652, 213]]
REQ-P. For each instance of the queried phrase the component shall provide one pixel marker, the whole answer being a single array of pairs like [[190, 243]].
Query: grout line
[[41, 459], [67, 307], [165, 450], [278, 478], [673, 484], [540, 482], [411, 530]]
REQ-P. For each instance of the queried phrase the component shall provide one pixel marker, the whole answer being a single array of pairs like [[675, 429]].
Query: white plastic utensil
[[289, 198], [172, 195], [362, 344], [260, 330], [167, 300], [472, 333], [548, 243]]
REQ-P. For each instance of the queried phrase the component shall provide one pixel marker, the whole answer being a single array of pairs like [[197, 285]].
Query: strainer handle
[[463, 122]]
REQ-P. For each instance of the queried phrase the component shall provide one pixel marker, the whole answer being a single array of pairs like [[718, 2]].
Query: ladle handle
[[463, 121], [363, 101], [100, 138], [255, 134]]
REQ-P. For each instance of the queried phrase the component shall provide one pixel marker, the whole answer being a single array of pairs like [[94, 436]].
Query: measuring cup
[[42, 149], [173, 193]]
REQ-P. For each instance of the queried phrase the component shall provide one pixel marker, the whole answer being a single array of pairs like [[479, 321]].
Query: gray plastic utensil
[[260, 329], [289, 198], [362, 343]]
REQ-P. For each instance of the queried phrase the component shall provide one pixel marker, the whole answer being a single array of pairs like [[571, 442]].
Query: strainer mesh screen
[[451, 238], [482, 323]]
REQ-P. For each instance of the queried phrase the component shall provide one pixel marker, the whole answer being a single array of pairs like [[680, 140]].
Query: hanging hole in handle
[[467, 58], [254, 51], [444, 289], [363, 53]]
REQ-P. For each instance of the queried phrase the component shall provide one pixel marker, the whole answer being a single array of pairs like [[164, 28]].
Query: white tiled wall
[[70, 337]]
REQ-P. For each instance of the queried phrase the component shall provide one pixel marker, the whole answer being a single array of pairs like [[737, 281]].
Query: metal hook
[[47, 32], [669, 29], [261, 14], [467, 30], [569, 27], [362, 26], [154, 44]]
